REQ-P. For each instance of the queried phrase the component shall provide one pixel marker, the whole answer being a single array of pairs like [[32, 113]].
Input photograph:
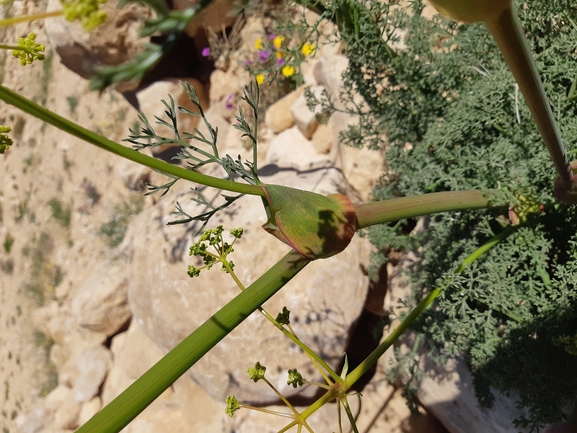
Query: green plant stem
[[339, 389], [72, 128], [24, 18], [12, 47], [508, 33], [124, 408], [422, 306], [349, 412], [385, 211], [288, 333], [281, 397]]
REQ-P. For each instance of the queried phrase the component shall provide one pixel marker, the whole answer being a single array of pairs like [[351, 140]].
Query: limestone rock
[[134, 353], [291, 149], [57, 397], [322, 139], [355, 163], [101, 304], [89, 409], [93, 364], [222, 85], [328, 73], [112, 43], [35, 421], [66, 417], [278, 117], [305, 118], [169, 305]]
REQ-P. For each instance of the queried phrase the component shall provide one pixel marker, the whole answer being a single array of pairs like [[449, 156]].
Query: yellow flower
[[288, 70], [279, 54], [277, 42], [308, 48], [259, 78], [258, 44]]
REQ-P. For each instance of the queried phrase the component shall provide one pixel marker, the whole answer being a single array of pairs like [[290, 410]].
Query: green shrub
[[450, 95], [60, 212], [114, 230]]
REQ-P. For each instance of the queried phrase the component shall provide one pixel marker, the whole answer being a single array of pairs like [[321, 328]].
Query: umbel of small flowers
[[27, 50], [5, 141], [213, 238]]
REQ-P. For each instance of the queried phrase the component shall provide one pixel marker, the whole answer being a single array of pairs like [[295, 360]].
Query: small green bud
[[193, 272], [232, 405], [257, 372], [295, 378], [5, 141], [29, 50], [208, 261], [198, 249], [237, 233], [284, 316]]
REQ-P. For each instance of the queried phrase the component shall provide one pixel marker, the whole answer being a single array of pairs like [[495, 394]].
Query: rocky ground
[[93, 285]]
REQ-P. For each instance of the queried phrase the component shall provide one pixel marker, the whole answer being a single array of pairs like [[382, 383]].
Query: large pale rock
[[57, 397], [101, 304], [112, 43], [322, 139], [355, 163], [92, 364], [328, 73], [169, 305], [291, 149], [278, 117], [305, 118], [66, 417], [35, 421], [134, 353], [89, 409]]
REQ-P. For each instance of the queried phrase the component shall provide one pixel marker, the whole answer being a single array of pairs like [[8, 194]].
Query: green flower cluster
[[5, 141], [257, 372], [213, 237], [85, 11], [28, 50]]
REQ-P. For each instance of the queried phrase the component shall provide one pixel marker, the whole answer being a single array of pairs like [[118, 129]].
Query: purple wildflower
[[271, 37], [228, 102], [205, 52], [263, 56], [248, 62], [280, 61]]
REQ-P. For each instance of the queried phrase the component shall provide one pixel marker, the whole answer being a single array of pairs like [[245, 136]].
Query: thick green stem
[[124, 408], [385, 211], [72, 128], [511, 40]]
